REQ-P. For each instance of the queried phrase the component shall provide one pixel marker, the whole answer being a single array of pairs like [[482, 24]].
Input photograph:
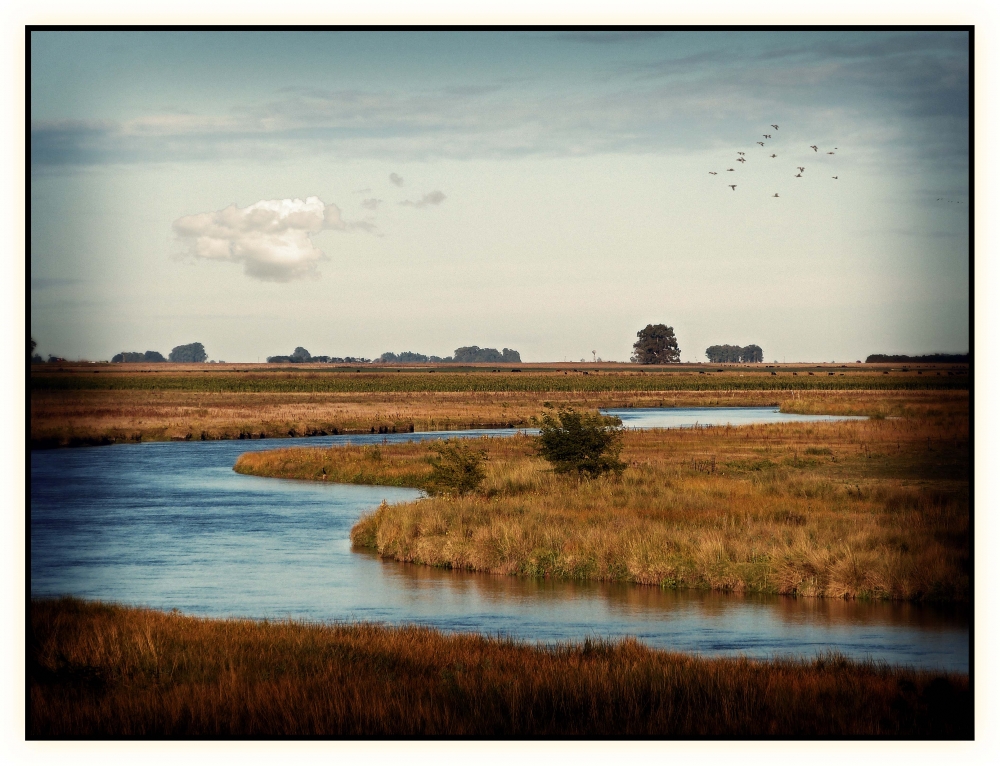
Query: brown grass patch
[[105, 671]]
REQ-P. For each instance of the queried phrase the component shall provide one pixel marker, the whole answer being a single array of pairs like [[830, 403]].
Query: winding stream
[[171, 526]]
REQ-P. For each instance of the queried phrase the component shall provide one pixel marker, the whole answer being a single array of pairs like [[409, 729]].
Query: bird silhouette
[[740, 159], [767, 135], [829, 152], [712, 173], [740, 153], [801, 170], [761, 143], [773, 156], [776, 194], [732, 186], [798, 175], [730, 170], [814, 148], [774, 126], [834, 177]]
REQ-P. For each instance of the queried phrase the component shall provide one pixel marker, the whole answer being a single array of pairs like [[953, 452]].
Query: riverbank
[[96, 670], [107, 405], [858, 509]]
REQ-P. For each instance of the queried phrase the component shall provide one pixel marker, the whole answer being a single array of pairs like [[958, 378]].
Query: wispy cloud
[[431, 198], [371, 203], [396, 179], [878, 84]]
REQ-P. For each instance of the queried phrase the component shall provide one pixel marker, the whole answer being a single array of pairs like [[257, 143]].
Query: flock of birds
[[742, 159]]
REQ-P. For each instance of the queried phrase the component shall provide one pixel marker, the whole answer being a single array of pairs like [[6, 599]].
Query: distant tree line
[[925, 358], [301, 356], [192, 352], [138, 356], [464, 355], [733, 354]]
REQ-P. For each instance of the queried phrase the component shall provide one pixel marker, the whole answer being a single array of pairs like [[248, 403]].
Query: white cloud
[[271, 238], [431, 198], [396, 179]]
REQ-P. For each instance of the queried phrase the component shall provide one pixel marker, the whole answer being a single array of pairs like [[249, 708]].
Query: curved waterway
[[170, 525]]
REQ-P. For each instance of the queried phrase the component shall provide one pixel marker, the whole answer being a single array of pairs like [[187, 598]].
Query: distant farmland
[[540, 382]]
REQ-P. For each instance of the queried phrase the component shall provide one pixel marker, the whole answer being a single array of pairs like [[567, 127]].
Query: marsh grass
[[860, 509], [70, 416], [96, 670]]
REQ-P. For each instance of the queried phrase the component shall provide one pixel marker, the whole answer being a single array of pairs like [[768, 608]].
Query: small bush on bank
[[456, 470], [588, 443]]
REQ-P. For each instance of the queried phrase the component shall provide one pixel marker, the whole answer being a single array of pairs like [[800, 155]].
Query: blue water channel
[[170, 525]]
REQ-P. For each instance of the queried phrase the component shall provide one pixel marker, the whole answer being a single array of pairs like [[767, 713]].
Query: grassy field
[[869, 509], [79, 405], [103, 671]]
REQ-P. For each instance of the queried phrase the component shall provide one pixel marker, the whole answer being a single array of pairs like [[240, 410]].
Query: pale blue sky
[[571, 197]]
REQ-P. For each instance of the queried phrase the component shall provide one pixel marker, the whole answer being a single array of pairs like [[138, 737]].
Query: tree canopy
[[192, 352], [656, 344]]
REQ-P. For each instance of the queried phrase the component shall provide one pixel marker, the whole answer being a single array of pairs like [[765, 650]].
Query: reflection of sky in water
[[170, 525], [688, 417]]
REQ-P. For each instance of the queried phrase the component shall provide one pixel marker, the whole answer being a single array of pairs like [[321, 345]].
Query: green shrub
[[588, 443], [457, 469]]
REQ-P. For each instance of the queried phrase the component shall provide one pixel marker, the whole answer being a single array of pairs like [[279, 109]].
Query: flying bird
[[829, 152], [776, 194], [801, 170], [712, 173], [761, 143], [773, 156], [732, 186], [814, 148], [774, 126], [740, 159], [730, 170], [834, 177], [798, 175], [740, 153], [767, 135]]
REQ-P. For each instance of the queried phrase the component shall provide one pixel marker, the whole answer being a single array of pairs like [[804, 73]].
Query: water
[[170, 525]]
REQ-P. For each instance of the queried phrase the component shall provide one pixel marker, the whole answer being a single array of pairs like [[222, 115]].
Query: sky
[[551, 192]]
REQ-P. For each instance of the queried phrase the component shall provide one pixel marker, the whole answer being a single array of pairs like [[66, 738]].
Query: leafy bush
[[588, 443], [457, 469]]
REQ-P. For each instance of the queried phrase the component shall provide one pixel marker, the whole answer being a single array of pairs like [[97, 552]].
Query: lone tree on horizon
[[656, 345]]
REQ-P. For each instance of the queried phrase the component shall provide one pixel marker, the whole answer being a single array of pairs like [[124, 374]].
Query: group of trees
[[464, 355], [192, 352], [301, 356], [138, 356], [730, 354]]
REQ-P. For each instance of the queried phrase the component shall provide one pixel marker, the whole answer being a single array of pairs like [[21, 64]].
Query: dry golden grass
[[104, 671], [71, 417], [876, 509]]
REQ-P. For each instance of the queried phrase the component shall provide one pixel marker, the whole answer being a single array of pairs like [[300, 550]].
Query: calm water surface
[[170, 525]]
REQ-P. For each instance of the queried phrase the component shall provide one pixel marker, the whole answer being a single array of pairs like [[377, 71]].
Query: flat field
[[105, 671], [860, 509], [102, 404]]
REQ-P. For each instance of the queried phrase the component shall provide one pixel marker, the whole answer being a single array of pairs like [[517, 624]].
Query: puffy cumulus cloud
[[271, 238], [431, 198], [396, 179]]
